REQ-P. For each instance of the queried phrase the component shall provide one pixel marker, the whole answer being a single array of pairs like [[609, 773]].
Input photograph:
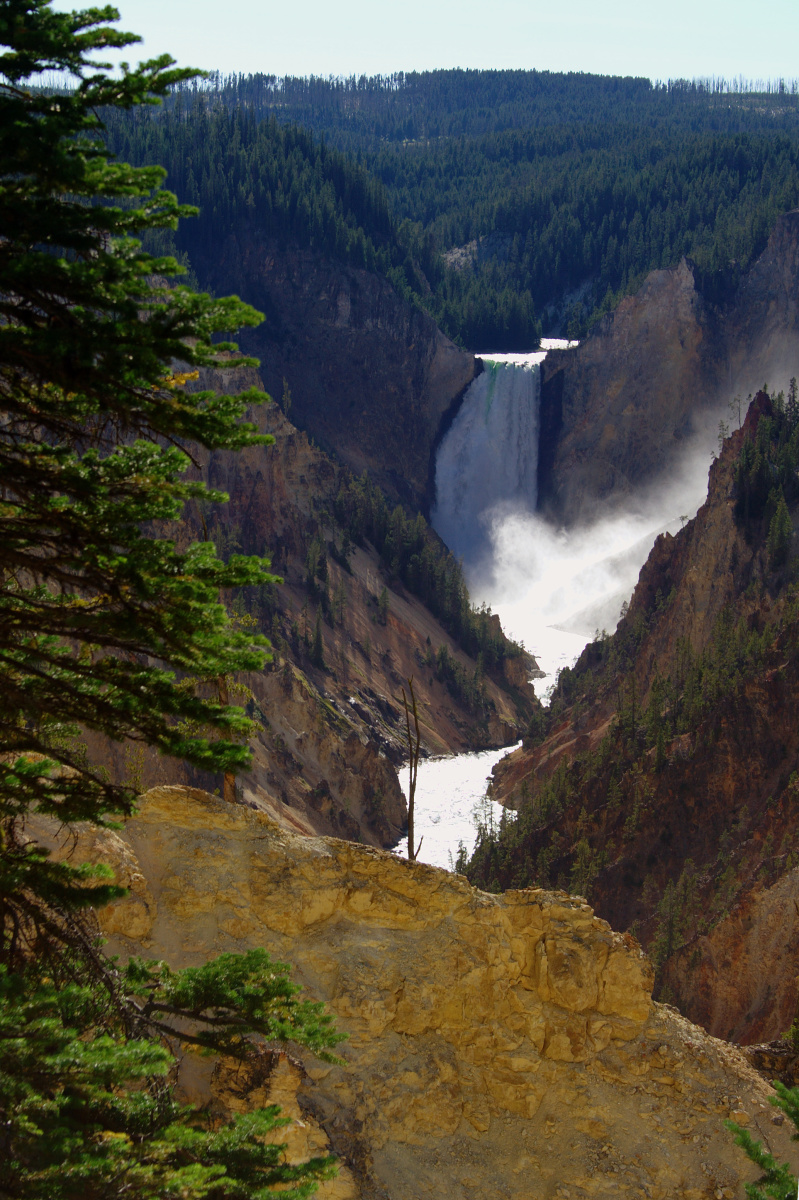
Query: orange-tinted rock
[[325, 758], [507, 1044], [617, 411], [719, 811]]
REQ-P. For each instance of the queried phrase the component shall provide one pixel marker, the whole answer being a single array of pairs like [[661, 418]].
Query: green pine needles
[[85, 1097], [777, 1181], [103, 625]]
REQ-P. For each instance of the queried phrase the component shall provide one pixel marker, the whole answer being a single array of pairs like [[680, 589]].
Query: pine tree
[[777, 1181], [318, 645], [102, 625], [780, 531], [86, 1112], [95, 616], [382, 606], [792, 405]]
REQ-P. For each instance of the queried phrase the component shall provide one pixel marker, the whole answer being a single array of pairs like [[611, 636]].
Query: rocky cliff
[[664, 784], [621, 408], [371, 377], [498, 1045], [332, 722]]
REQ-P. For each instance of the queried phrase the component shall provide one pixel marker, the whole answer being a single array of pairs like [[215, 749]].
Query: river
[[552, 588]]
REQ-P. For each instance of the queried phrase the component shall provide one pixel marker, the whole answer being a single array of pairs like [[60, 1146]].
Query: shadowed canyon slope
[[665, 785], [331, 716], [374, 380], [498, 1045], [371, 377], [661, 368]]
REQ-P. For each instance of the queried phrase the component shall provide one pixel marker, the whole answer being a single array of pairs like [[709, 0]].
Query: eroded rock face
[[763, 324], [331, 736], [628, 394], [619, 409], [374, 380], [744, 985], [499, 1045], [370, 376], [716, 815]]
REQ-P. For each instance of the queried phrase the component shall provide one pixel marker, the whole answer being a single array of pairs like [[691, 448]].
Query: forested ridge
[[238, 169], [423, 105], [505, 203]]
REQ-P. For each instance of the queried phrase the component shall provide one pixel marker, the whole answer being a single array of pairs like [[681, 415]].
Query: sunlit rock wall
[[498, 1045]]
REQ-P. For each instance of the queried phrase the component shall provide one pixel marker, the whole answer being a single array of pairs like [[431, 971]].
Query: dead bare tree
[[414, 745]]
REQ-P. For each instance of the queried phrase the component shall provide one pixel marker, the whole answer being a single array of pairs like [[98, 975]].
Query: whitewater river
[[553, 589], [451, 792], [450, 799]]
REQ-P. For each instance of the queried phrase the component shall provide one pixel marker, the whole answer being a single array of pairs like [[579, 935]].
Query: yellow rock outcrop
[[498, 1045]]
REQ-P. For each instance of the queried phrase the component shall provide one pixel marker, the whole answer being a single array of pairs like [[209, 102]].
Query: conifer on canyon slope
[[98, 622]]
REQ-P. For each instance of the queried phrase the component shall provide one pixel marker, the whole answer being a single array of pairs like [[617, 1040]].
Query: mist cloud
[[554, 588]]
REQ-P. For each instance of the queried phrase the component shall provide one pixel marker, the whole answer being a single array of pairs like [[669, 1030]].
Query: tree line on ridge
[[562, 191]]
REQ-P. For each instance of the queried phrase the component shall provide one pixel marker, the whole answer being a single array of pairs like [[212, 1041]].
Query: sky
[[678, 39]]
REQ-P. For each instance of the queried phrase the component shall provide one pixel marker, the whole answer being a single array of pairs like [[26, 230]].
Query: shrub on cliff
[[777, 1181], [100, 624]]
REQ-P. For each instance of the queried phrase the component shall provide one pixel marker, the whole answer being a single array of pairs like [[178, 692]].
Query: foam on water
[[450, 799], [552, 588]]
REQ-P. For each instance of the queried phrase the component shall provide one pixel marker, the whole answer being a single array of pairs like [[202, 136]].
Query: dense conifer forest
[[506, 203], [363, 112]]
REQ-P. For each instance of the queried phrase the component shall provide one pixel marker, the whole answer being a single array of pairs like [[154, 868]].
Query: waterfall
[[551, 587], [487, 462]]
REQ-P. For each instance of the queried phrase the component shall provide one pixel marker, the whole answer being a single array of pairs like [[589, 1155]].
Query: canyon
[[375, 382], [686, 837], [571, 1011], [372, 379], [619, 409], [331, 731], [616, 414], [497, 1042]]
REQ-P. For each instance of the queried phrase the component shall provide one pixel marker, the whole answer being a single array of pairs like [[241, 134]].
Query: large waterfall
[[551, 587], [487, 462]]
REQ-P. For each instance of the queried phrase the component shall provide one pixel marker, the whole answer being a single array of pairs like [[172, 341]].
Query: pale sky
[[674, 39]]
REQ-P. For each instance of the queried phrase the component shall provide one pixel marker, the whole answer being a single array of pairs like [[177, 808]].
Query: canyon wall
[[371, 377], [332, 724], [683, 828], [659, 371], [498, 1045], [373, 380]]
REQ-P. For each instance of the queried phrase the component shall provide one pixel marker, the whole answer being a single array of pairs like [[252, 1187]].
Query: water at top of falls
[[487, 462], [527, 356]]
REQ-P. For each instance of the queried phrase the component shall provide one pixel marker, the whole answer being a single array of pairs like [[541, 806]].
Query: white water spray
[[551, 588]]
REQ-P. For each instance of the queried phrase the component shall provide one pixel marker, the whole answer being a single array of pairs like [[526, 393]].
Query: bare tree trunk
[[414, 744], [229, 786]]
